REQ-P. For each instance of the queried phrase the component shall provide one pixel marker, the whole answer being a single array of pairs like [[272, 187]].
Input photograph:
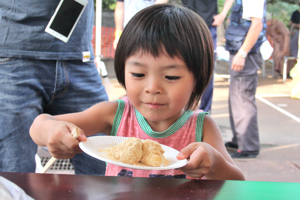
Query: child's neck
[[162, 126]]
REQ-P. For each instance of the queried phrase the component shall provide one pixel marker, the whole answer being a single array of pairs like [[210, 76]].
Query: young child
[[164, 60]]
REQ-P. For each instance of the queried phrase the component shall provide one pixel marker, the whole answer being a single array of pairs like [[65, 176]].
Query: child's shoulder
[[204, 117], [209, 124], [200, 113], [104, 108]]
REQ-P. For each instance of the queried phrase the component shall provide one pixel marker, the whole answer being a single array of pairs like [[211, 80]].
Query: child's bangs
[[160, 34]]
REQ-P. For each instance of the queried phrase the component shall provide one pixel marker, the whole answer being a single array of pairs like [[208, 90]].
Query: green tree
[[285, 1], [281, 10], [108, 4]]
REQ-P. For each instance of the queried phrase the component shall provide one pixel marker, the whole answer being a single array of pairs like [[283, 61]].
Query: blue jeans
[[206, 99], [30, 87]]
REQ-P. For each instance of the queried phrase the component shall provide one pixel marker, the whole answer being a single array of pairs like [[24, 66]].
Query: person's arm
[[218, 19], [55, 131], [210, 158], [293, 26], [119, 20], [285, 39], [291, 22], [238, 61]]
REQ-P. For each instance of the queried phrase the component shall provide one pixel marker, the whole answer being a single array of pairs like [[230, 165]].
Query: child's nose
[[153, 87]]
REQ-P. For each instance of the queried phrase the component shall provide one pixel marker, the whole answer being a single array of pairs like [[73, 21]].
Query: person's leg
[[233, 144], [21, 96], [294, 43], [78, 87], [206, 99], [276, 59], [243, 112], [234, 141]]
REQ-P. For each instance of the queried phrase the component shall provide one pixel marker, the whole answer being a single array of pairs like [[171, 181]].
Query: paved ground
[[279, 124], [279, 127]]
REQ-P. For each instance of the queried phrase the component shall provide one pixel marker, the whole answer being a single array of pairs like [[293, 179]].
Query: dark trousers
[[242, 104], [206, 99]]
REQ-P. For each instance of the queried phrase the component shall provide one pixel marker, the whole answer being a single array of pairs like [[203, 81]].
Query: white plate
[[96, 143]]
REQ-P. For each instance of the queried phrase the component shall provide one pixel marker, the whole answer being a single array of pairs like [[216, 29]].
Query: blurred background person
[[208, 10], [294, 30], [41, 74], [125, 10], [279, 36], [244, 35]]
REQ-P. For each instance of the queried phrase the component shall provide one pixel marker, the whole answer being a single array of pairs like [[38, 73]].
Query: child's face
[[159, 88]]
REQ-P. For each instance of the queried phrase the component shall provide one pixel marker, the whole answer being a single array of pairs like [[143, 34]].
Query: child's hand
[[61, 143], [201, 159]]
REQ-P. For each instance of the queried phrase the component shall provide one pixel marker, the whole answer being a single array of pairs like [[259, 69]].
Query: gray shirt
[[22, 33]]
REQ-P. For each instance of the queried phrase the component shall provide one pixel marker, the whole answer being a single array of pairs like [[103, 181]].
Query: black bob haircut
[[178, 30]]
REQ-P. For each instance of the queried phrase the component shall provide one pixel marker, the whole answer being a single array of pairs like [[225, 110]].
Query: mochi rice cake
[[134, 151]]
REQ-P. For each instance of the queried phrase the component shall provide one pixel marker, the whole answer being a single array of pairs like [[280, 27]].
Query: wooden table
[[55, 186]]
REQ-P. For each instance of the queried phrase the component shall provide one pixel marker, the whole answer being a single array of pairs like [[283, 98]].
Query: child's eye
[[138, 75], [172, 77]]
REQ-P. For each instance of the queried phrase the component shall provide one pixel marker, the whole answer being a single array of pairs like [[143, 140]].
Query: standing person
[[41, 74], [294, 30], [279, 36], [244, 35], [164, 75], [208, 10], [125, 10], [295, 19]]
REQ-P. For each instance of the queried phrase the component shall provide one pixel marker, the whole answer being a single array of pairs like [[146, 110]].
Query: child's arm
[[55, 131], [210, 158]]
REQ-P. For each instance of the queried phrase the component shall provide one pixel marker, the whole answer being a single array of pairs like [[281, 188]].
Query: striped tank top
[[129, 122]]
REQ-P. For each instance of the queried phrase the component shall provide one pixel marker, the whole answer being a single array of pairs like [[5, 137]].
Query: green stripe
[[199, 126], [171, 130], [118, 117]]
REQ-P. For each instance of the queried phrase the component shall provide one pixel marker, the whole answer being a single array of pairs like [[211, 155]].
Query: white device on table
[[65, 18]]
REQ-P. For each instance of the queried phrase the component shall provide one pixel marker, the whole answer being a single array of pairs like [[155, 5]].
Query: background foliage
[[108, 4], [276, 9]]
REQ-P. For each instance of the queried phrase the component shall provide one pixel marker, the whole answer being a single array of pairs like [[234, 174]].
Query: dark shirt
[[207, 9], [295, 18], [22, 32]]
